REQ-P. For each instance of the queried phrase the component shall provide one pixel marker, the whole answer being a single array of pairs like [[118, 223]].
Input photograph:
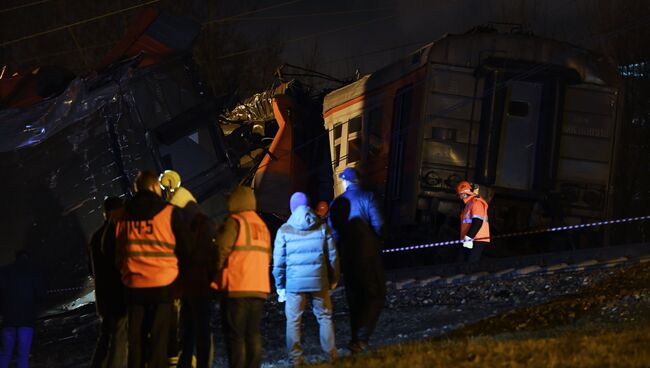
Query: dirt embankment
[[491, 321]]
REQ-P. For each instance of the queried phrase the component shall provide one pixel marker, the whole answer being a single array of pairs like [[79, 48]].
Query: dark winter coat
[[360, 204], [304, 255], [144, 206], [109, 290], [357, 224], [196, 281], [21, 294]]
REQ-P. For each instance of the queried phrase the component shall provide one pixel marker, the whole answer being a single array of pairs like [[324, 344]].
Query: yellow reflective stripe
[[247, 227], [150, 254], [150, 242], [252, 248], [248, 232]]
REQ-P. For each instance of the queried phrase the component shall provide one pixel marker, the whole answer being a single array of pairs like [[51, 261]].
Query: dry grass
[[615, 346], [562, 333]]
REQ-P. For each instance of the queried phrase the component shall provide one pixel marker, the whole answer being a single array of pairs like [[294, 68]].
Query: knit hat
[[298, 199]]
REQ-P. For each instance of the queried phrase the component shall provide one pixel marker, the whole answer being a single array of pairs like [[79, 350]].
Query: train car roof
[[473, 48]]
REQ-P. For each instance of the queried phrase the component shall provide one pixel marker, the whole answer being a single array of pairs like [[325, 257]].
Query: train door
[[519, 128]]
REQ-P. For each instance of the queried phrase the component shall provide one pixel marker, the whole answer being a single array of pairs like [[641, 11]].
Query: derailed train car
[[532, 120], [279, 136], [144, 108]]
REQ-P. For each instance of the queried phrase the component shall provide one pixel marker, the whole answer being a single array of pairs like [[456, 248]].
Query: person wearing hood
[[195, 310], [242, 259], [305, 267]]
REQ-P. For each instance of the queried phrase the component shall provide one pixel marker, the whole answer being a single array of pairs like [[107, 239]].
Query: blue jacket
[[304, 255], [362, 205]]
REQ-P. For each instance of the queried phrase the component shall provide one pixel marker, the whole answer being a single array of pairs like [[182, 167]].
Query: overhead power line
[[6, 10], [313, 35], [220, 20], [226, 19], [379, 51], [61, 28], [308, 15]]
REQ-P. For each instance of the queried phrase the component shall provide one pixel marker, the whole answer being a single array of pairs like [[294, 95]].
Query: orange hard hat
[[321, 208], [464, 187]]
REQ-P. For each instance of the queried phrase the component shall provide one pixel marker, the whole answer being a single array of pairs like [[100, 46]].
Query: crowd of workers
[[159, 263]]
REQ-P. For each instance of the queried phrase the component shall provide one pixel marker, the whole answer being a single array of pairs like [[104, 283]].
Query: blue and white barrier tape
[[520, 233]]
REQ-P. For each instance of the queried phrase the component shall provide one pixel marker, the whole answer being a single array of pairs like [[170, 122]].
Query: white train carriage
[[532, 120]]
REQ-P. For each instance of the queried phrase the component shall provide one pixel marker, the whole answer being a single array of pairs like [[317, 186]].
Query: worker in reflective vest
[[152, 246], [243, 257], [474, 227]]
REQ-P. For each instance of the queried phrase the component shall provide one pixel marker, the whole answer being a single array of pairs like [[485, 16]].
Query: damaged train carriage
[[64, 154], [279, 137], [532, 120]]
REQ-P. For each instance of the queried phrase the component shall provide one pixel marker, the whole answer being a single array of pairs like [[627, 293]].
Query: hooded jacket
[[240, 202], [304, 255]]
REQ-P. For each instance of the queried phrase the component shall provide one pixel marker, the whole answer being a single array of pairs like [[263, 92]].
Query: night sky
[[374, 33], [337, 36]]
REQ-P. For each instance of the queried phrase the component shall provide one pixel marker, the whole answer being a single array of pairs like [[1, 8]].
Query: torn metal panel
[[279, 134], [64, 155], [259, 107], [25, 127]]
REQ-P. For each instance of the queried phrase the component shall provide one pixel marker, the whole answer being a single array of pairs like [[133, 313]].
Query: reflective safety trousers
[[475, 207], [246, 271], [145, 250]]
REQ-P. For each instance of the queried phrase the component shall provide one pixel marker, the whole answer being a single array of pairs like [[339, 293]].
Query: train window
[[354, 150], [443, 134], [374, 131], [337, 131], [354, 125], [337, 155], [518, 109]]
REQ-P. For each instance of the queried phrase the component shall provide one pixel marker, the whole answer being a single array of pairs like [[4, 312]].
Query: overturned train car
[[63, 155], [64, 149], [532, 120]]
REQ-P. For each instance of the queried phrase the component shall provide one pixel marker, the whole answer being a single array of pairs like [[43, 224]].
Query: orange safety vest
[[146, 250], [246, 273], [475, 207]]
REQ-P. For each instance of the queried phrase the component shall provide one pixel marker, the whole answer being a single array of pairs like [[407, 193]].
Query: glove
[[282, 295], [468, 242]]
